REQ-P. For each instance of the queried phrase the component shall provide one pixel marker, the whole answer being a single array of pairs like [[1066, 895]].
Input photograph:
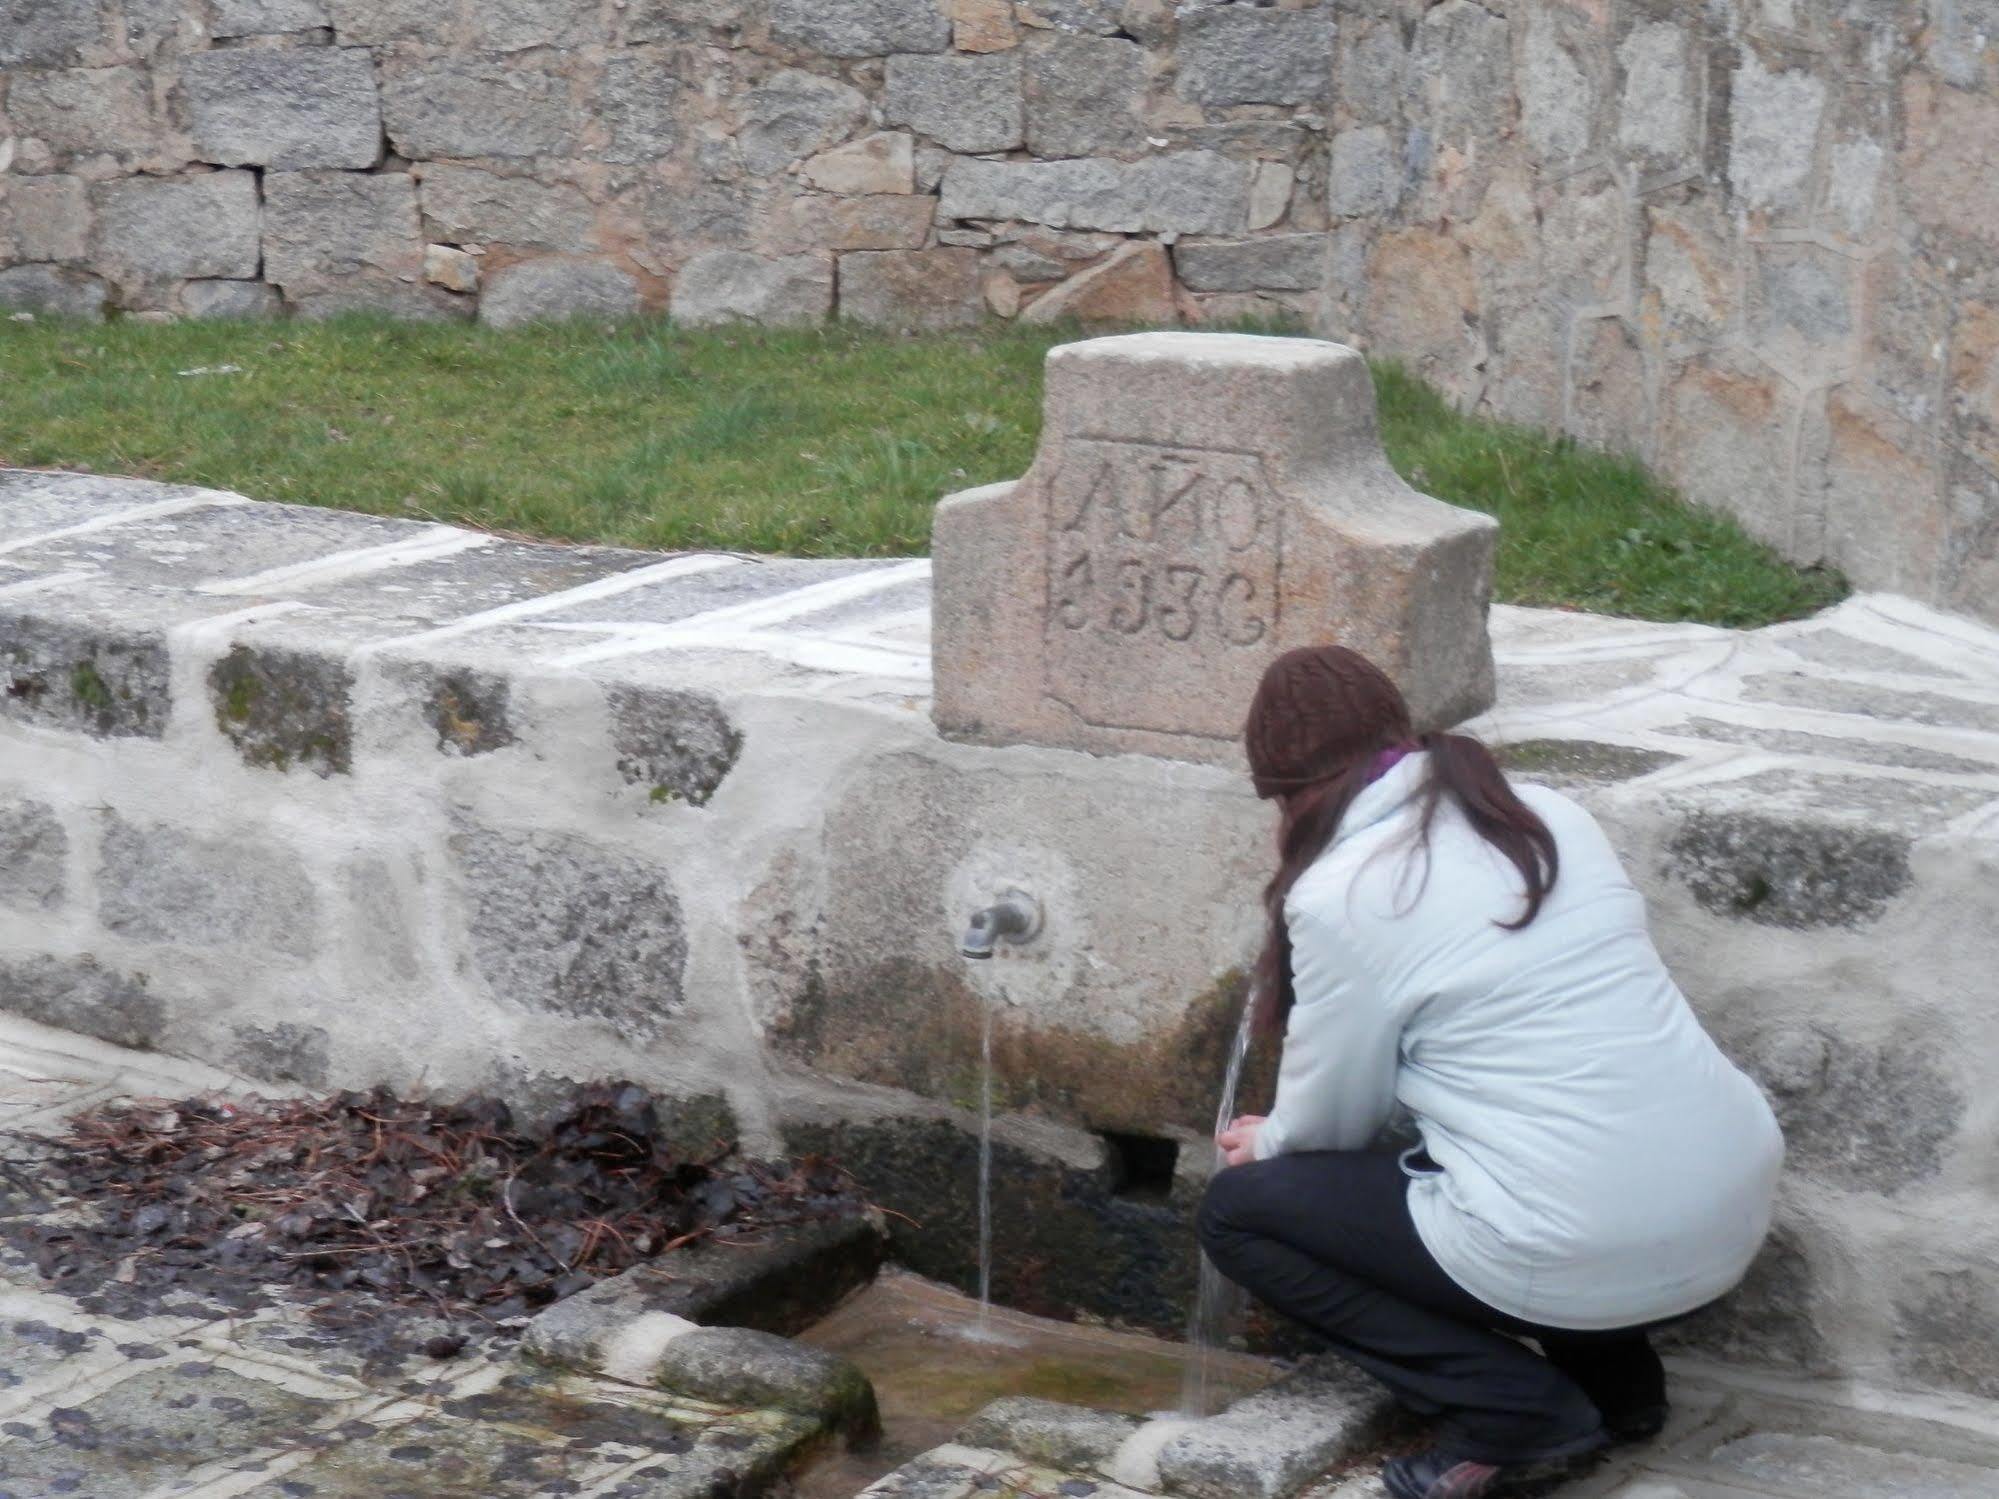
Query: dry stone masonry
[[1200, 502], [1752, 241]]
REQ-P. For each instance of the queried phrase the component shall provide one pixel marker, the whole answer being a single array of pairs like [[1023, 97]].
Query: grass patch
[[818, 442]]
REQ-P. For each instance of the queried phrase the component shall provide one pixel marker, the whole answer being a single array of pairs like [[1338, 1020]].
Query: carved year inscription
[[1162, 564]]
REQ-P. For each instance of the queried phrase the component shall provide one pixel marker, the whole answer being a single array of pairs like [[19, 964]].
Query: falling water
[[986, 1171], [1218, 1302]]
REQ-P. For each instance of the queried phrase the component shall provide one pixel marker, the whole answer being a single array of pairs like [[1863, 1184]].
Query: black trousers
[[1327, 1240]]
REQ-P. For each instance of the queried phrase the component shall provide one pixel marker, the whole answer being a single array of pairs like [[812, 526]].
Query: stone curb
[[1270, 1445], [782, 1284]]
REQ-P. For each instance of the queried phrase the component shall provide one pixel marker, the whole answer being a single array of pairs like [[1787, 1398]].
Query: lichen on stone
[[283, 708], [1788, 872], [71, 676], [1568, 761], [470, 712], [677, 744]]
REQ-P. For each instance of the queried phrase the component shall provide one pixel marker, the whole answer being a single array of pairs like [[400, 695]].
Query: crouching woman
[[1591, 1165]]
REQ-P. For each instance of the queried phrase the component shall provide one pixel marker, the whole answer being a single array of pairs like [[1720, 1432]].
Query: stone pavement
[[271, 1405], [195, 1401]]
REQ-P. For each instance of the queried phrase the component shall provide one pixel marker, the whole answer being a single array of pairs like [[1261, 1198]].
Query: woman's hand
[[1238, 1141]]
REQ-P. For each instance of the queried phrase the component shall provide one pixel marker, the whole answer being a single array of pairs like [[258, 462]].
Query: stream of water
[[986, 1170], [1218, 1302]]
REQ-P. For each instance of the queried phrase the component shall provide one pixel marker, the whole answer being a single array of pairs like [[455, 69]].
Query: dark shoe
[[1638, 1423], [1442, 1474]]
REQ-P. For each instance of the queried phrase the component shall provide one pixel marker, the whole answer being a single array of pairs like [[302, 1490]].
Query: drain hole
[[1143, 1165]]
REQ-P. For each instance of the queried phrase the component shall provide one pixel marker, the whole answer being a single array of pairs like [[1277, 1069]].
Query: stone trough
[[335, 800]]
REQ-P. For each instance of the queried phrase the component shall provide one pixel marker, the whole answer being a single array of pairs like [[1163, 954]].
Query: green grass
[[832, 441]]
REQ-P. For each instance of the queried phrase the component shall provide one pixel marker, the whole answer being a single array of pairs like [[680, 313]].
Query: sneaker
[[1442, 1474]]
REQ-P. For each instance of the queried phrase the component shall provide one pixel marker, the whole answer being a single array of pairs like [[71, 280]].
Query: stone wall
[[341, 800], [1752, 240]]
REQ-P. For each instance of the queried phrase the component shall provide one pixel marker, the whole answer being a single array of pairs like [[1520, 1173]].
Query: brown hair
[[1322, 718]]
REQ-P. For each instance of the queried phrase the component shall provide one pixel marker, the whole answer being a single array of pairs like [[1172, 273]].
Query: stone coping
[[1879, 713]]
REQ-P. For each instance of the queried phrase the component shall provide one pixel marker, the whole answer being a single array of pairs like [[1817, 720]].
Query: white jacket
[[1600, 1163]]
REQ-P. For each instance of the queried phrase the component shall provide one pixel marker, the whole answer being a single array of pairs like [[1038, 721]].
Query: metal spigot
[[1013, 918]]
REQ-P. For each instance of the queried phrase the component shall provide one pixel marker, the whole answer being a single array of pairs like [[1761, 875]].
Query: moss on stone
[[282, 708], [89, 687], [1570, 761]]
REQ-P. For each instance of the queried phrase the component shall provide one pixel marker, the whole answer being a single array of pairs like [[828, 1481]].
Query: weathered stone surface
[[1949, 162], [292, 107], [266, 17], [861, 28], [686, 20], [884, 162], [1267, 1445], [1801, 304], [1785, 873], [1656, 116], [1864, 466], [1270, 193], [1557, 98], [731, 285], [392, 299], [911, 288], [678, 745], [1774, 1318], [285, 1052], [34, 857], [1423, 302], [793, 114], [374, 23], [158, 229], [1249, 460], [1371, 70], [137, 1435], [1135, 285], [888, 221], [45, 218], [983, 25], [34, 33], [165, 884], [516, 25], [554, 290], [1084, 95], [1460, 71], [1240, 55], [451, 268], [1725, 441], [471, 712], [1046, 1431], [1098, 16], [737, 1366], [93, 113], [1185, 192], [323, 229], [283, 708], [230, 299], [110, 684], [560, 926], [638, 106], [476, 107], [81, 995], [1365, 176], [1944, 1338], [1865, 1116], [1280, 262], [1774, 122], [964, 103], [1689, 285], [467, 204], [1816, 1462], [1608, 404], [53, 290]]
